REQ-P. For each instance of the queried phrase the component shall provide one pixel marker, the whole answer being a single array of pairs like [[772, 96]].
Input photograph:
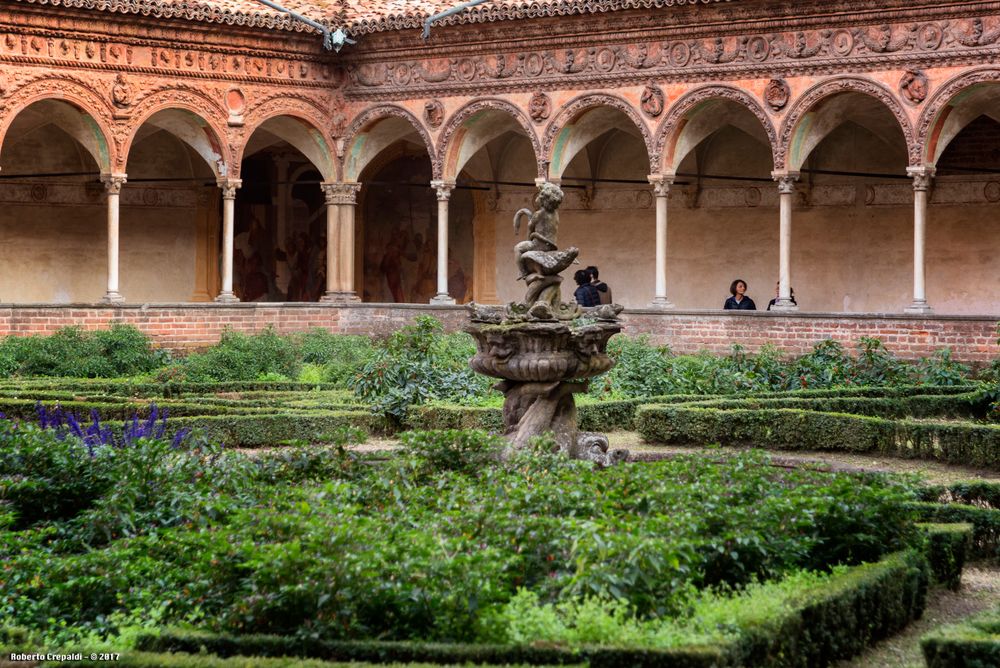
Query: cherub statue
[[543, 225], [539, 260]]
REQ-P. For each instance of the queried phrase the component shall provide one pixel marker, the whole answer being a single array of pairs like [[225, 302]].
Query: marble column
[[341, 202], [113, 185], [786, 193], [922, 178], [661, 188], [229, 188], [444, 190]]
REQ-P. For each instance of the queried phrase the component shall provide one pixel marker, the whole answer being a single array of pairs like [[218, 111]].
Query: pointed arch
[[187, 113], [299, 121], [957, 103], [475, 125], [83, 112], [374, 130], [582, 120], [819, 111], [702, 112]]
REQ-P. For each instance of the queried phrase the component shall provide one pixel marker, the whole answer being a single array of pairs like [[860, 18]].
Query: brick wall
[[185, 326]]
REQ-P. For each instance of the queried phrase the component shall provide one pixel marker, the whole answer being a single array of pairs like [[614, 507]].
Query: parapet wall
[[187, 326]]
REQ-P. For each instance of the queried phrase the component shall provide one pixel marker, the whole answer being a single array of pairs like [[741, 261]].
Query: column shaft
[[661, 188], [922, 178], [786, 193], [341, 201], [443, 194], [113, 184], [229, 188]]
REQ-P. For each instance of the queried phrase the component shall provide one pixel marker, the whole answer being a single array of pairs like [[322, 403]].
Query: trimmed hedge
[[814, 628], [947, 546], [973, 492], [968, 444], [132, 659], [985, 522], [972, 644], [919, 402]]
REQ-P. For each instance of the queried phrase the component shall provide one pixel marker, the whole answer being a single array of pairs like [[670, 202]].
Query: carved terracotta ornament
[[777, 94], [434, 113], [540, 107], [652, 101], [914, 86], [122, 93]]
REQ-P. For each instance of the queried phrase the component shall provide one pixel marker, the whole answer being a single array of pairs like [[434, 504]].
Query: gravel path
[[980, 591]]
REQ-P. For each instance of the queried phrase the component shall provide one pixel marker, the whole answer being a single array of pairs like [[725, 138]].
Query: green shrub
[[418, 364], [974, 643], [121, 350], [941, 370], [244, 357], [339, 357], [452, 449], [947, 547]]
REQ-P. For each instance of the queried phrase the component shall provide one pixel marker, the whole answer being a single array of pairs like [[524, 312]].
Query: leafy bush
[[453, 449], [121, 350], [244, 357], [335, 358], [417, 364]]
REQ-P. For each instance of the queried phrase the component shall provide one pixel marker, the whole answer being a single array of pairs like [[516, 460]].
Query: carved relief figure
[[540, 107], [652, 101], [122, 92], [777, 94], [434, 113], [914, 86]]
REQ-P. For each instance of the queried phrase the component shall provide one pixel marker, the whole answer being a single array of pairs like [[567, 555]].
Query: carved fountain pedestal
[[543, 349]]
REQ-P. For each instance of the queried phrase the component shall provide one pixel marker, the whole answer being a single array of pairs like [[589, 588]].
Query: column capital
[[443, 189], [229, 187], [922, 176], [786, 181], [113, 182], [341, 193], [661, 183]]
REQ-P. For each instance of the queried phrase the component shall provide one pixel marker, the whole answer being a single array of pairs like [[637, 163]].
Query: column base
[[662, 303], [442, 298], [227, 298], [113, 298], [919, 307], [340, 297], [782, 305]]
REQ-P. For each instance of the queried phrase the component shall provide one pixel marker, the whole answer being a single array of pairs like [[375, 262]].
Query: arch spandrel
[[94, 128], [565, 137], [475, 125], [703, 111], [953, 106], [803, 128], [376, 129]]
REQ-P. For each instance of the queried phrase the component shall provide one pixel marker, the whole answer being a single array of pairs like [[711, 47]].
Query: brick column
[[229, 188], [786, 191], [443, 194], [113, 185], [661, 188], [922, 178], [341, 202]]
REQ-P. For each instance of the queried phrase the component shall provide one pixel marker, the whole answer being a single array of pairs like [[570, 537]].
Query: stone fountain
[[545, 350]]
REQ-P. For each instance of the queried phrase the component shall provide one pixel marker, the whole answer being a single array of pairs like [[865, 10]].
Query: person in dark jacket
[[739, 301], [586, 294], [602, 288]]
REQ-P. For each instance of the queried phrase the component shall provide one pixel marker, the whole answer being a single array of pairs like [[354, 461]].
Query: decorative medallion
[[914, 86], [752, 197], [236, 101], [434, 113], [777, 94], [540, 107], [122, 93], [652, 101], [39, 192], [930, 37], [991, 191]]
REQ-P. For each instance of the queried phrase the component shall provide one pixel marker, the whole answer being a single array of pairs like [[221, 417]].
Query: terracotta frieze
[[828, 49]]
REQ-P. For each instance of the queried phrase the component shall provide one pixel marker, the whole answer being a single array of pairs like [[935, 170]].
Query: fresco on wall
[[399, 228], [279, 248]]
